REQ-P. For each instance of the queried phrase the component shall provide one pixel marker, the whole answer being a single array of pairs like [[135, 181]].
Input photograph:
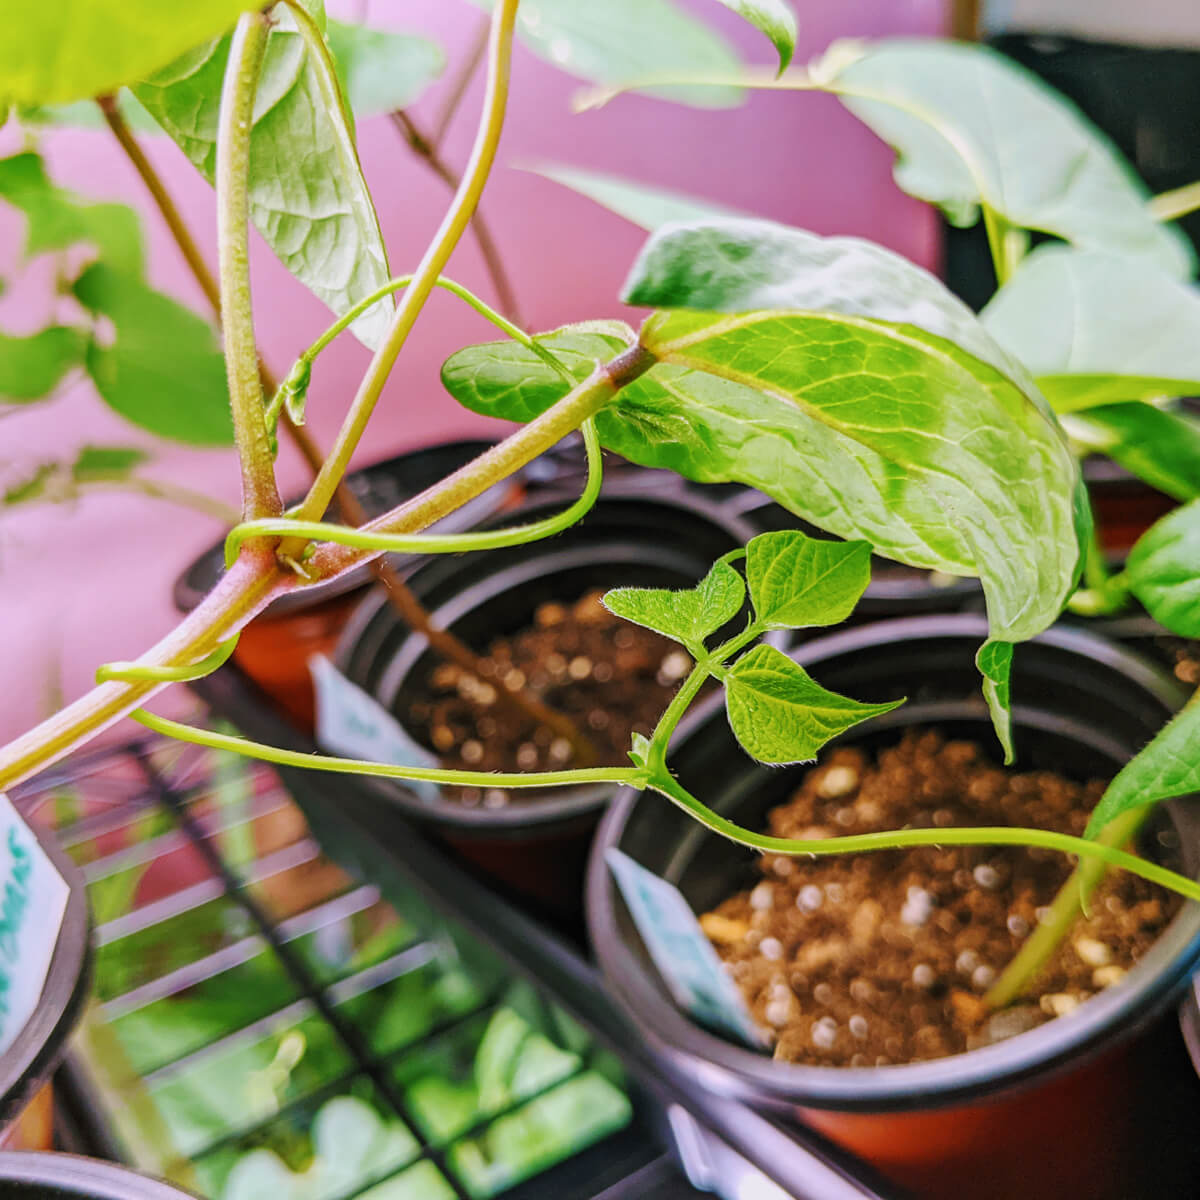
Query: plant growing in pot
[[831, 374]]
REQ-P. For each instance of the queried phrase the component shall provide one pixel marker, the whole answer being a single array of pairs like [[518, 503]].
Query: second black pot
[[69, 1177]]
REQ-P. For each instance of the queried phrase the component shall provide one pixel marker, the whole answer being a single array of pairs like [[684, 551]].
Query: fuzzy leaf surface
[[1168, 767], [780, 714], [163, 369], [971, 127], [308, 197], [1095, 328], [797, 581], [1163, 570], [32, 367], [688, 615]]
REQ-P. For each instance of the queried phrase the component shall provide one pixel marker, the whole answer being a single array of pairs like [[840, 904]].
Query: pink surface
[[79, 586]]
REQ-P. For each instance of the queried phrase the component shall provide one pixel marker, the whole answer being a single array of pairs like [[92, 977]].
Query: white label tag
[[355, 725], [683, 955], [33, 900]]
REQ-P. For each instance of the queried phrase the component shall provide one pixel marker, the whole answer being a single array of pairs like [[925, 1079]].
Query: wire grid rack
[[263, 1024]]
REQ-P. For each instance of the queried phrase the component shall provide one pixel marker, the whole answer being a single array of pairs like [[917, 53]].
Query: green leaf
[[85, 114], [971, 127], [879, 410], [775, 19], [780, 714], [797, 581], [1169, 766], [639, 752], [688, 615], [32, 487], [308, 197], [106, 462], [1157, 445], [381, 71], [649, 207], [51, 53], [1163, 570], [994, 661], [163, 369], [628, 39], [32, 367], [1093, 328], [507, 380], [57, 219]]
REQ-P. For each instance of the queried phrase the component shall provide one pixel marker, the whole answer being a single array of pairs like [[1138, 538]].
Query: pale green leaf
[[106, 462], [639, 203], [1163, 571], [1093, 328], [994, 661], [1168, 767], [797, 581], [57, 219], [163, 368], [688, 615], [629, 39], [971, 127], [639, 751], [51, 53], [381, 71], [508, 380], [1157, 445], [32, 367], [780, 714], [308, 197], [85, 114], [774, 19]]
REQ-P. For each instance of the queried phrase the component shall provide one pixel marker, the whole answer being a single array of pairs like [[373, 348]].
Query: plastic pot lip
[[732, 1069], [30, 1060], [26, 1173], [188, 592], [559, 808]]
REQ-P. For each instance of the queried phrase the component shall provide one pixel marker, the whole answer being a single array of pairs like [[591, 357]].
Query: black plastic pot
[[1042, 1114], [26, 1066], [69, 1177], [535, 844]]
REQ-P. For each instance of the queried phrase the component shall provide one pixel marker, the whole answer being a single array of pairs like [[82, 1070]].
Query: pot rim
[[733, 1069], [87, 1178], [31, 1059], [552, 806]]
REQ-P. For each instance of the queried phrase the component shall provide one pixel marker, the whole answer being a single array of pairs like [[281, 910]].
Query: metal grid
[[251, 997]]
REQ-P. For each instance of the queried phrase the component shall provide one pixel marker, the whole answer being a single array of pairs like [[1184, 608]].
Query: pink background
[[85, 584]]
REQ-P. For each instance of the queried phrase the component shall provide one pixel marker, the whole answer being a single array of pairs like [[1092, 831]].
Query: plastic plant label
[[683, 955], [356, 725], [33, 900]]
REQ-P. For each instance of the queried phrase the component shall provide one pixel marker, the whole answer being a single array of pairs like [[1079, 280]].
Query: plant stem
[[1072, 897], [448, 235], [462, 80], [1179, 202], [260, 496], [425, 149]]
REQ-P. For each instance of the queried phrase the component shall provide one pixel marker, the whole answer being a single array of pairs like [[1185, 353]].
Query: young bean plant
[[831, 374]]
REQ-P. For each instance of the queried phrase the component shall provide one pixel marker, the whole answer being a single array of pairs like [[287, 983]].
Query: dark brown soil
[[883, 958], [613, 679]]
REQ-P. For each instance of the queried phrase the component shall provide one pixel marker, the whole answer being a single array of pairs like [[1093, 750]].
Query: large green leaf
[[628, 39], [1163, 571], [381, 71], [1157, 445], [649, 207], [971, 127], [780, 714], [308, 197], [773, 18], [32, 367], [1094, 328], [1169, 766], [797, 581], [52, 53], [163, 368], [688, 615], [57, 219]]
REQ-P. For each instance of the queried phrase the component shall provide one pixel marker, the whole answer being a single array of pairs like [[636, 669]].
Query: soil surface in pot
[[611, 678], [883, 958]]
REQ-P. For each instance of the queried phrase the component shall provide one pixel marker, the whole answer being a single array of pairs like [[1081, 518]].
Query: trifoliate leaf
[[797, 581], [687, 616]]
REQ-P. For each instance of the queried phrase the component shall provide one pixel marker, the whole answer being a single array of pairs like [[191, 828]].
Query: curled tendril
[[131, 672]]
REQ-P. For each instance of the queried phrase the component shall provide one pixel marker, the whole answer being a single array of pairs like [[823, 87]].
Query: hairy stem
[[450, 232], [260, 496]]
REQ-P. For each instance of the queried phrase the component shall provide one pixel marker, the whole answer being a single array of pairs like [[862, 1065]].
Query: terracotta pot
[[1046, 1114]]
